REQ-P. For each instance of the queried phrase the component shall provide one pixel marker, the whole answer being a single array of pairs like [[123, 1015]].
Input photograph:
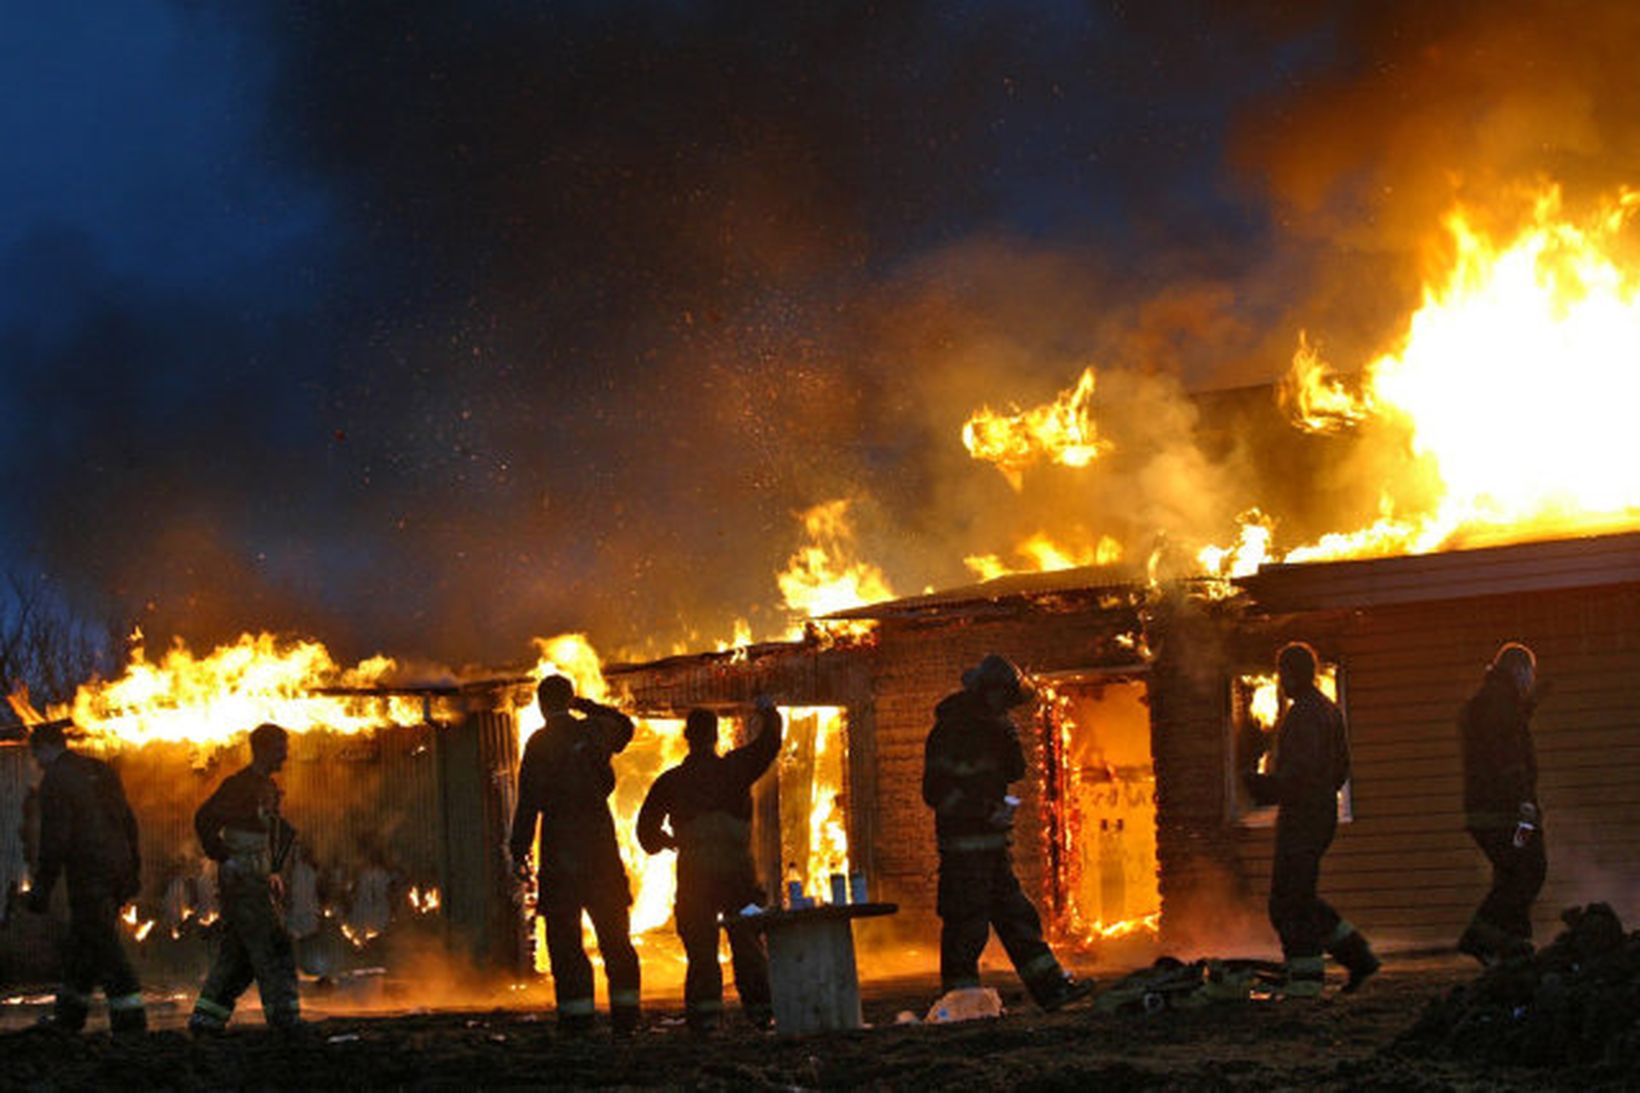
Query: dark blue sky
[[428, 327]]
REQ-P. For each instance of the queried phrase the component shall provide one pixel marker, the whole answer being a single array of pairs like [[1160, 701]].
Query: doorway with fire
[[1102, 816]]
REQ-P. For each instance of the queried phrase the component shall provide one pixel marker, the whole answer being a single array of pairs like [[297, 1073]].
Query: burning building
[[1135, 818]]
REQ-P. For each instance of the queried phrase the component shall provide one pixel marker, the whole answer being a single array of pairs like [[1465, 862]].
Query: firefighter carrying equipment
[[1500, 803], [241, 829], [1312, 763], [971, 756]]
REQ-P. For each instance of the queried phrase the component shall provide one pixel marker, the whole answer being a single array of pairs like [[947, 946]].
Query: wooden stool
[[812, 974]]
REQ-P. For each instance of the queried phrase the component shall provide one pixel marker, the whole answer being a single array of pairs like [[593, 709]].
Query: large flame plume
[[1514, 383], [212, 699], [1503, 410]]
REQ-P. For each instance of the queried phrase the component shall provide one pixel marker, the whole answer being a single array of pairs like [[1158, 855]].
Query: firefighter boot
[[1490, 944], [209, 1018], [1350, 948], [1062, 993], [624, 1020], [69, 1012], [127, 1017], [1306, 976]]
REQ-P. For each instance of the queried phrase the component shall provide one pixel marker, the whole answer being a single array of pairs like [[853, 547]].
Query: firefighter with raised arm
[[1501, 810], [564, 783], [971, 757], [241, 828], [1312, 763], [87, 831], [706, 802]]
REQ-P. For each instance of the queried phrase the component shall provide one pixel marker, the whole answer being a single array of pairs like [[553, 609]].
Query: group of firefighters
[[702, 810]]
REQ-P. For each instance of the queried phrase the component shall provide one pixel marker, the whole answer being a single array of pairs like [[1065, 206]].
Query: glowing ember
[[139, 927], [1063, 432], [423, 902], [359, 937]]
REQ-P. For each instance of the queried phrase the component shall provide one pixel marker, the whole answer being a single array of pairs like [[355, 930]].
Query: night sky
[[428, 327]]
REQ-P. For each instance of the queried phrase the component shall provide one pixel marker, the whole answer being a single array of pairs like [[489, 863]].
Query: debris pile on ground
[[1575, 1002], [1171, 983]]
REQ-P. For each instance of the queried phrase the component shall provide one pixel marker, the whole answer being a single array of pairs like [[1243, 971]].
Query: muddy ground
[[1341, 1042]]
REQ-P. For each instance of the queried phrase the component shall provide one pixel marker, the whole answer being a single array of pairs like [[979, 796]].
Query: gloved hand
[[1261, 787], [1002, 816], [1526, 824]]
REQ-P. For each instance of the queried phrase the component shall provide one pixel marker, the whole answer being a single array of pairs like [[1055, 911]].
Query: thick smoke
[[593, 298]]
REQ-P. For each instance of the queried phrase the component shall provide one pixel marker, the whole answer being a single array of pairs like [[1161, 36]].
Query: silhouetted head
[[269, 746], [46, 742], [1518, 664], [1295, 668], [999, 682], [700, 730], [554, 694]]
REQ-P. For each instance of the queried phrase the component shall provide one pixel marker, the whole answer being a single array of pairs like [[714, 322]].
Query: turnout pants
[[94, 957], [978, 892], [703, 894], [1307, 924], [254, 947], [1517, 878], [562, 902]]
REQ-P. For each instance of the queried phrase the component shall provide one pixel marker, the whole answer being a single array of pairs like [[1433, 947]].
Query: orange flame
[[212, 699], [825, 575], [1062, 431], [1042, 555], [139, 927]]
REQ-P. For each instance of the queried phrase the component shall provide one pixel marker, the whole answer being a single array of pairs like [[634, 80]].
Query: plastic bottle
[[1112, 882]]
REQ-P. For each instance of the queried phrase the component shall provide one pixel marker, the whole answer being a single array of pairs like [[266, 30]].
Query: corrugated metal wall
[[15, 771], [431, 804]]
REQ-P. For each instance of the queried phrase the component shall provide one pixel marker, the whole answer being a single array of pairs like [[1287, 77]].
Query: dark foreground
[[1340, 1042]]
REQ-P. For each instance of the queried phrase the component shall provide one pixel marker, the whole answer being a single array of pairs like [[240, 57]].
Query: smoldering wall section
[[606, 296]]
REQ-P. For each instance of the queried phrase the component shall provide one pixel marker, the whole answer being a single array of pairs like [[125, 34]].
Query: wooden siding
[[1404, 869]]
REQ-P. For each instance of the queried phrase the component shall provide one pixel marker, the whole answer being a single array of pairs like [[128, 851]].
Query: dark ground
[[1339, 1042]]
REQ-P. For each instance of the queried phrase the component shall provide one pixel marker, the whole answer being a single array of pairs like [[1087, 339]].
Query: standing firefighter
[[1312, 763], [242, 831], [87, 830], [565, 781], [707, 799], [1501, 805], [972, 755]]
